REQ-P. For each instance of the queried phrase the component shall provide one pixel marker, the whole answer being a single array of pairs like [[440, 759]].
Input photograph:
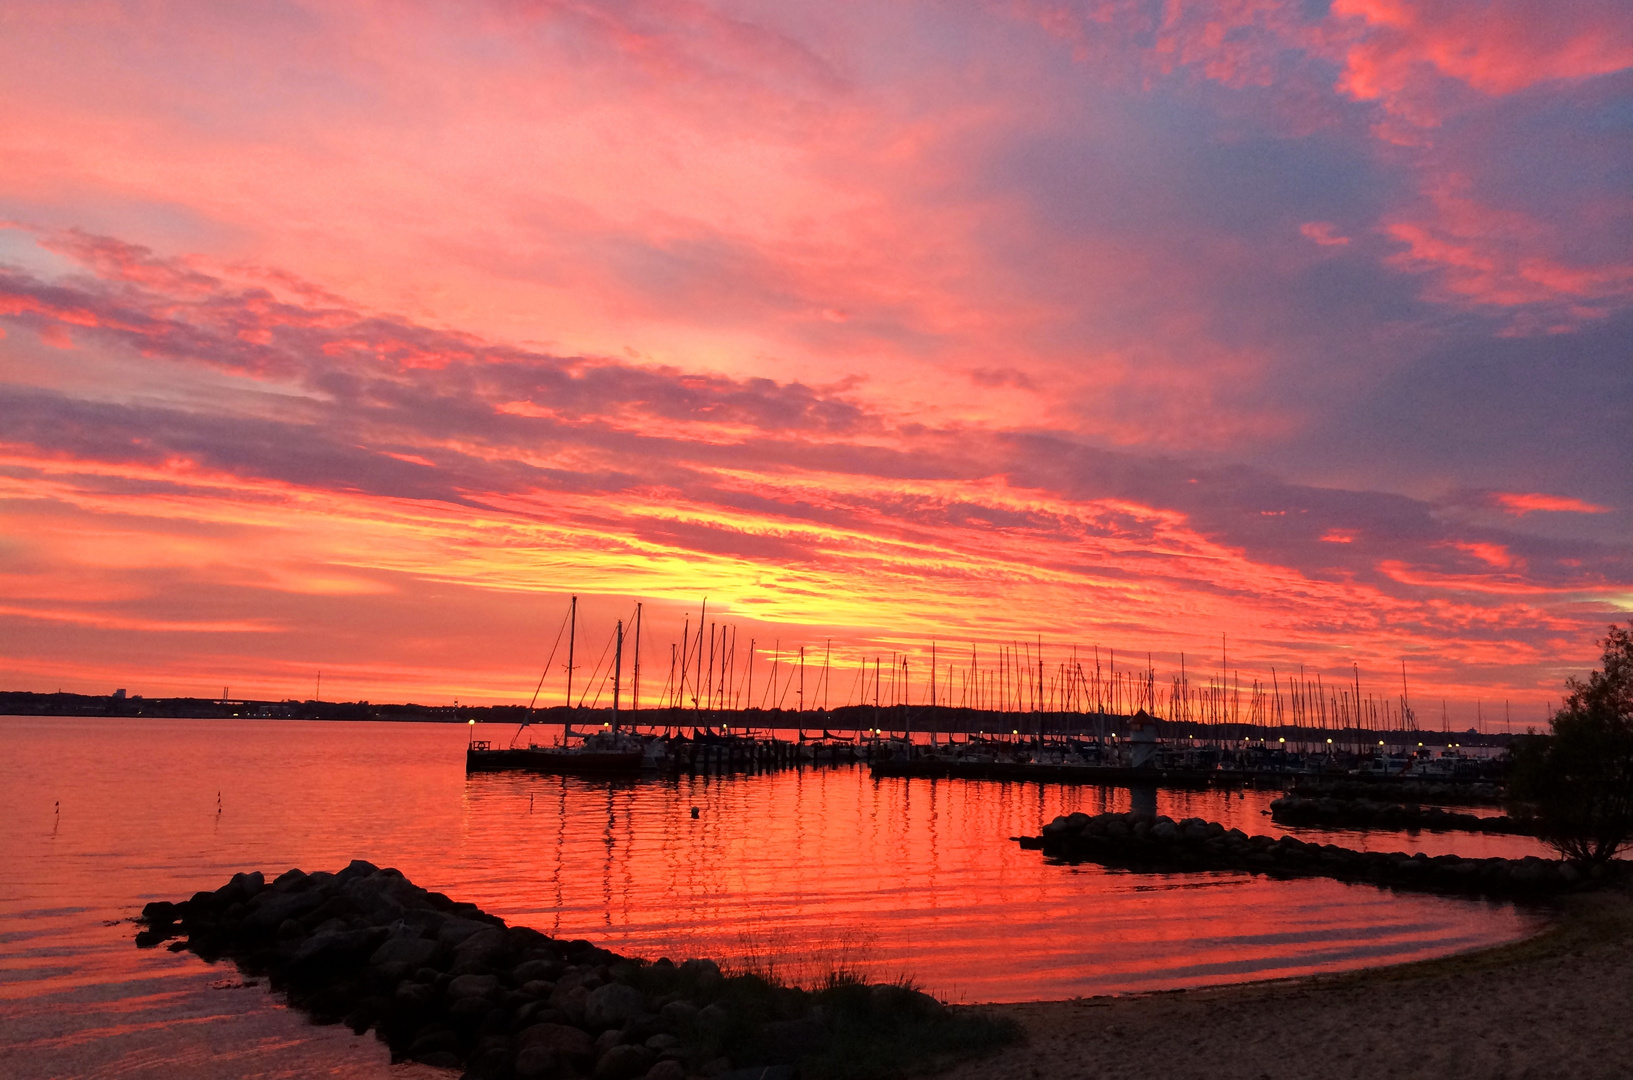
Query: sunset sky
[[354, 337]]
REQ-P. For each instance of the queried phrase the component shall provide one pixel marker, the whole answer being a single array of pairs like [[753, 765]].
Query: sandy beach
[[1556, 1005]]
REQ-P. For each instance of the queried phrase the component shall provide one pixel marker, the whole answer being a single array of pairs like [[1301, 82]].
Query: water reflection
[[799, 871]]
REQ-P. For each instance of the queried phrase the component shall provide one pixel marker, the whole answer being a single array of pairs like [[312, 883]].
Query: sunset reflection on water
[[796, 872]]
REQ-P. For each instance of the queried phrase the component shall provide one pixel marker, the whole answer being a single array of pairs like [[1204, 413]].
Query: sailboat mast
[[697, 685], [572, 635], [635, 695], [617, 672]]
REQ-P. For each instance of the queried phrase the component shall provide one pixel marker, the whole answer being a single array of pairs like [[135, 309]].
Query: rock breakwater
[[1451, 793], [1165, 845], [1367, 814], [444, 983]]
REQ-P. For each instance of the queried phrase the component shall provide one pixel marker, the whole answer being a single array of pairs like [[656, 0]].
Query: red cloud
[[1496, 48], [1521, 503]]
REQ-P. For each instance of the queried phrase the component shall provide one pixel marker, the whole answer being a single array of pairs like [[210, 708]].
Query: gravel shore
[[1556, 1005]]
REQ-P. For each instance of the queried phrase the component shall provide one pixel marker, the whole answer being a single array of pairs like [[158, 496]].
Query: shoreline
[[1549, 1004]]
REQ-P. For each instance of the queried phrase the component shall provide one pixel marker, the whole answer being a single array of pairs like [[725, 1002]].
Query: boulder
[[529, 970], [409, 949], [482, 949], [570, 1042], [624, 1062], [456, 930], [666, 1070], [571, 1003], [706, 973], [612, 1005], [473, 986], [678, 1015], [538, 1063], [335, 946]]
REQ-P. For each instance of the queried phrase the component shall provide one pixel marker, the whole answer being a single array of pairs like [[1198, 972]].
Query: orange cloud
[[1521, 503]]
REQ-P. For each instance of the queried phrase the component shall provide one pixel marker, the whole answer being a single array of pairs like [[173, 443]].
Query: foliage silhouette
[[1578, 781]]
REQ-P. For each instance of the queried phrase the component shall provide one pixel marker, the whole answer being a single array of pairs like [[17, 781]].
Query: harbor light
[[1281, 740], [1329, 742], [472, 722]]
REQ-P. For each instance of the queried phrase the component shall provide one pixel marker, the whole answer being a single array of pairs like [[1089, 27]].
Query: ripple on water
[[797, 872]]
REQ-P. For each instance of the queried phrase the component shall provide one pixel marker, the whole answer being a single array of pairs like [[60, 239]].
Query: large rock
[[337, 947], [624, 1062], [571, 1002], [456, 930], [473, 986], [678, 1015], [407, 949], [480, 949], [539, 1063], [611, 1005], [570, 1042], [269, 910]]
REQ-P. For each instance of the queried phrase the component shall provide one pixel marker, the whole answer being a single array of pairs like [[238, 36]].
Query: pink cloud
[[1497, 48], [1521, 503], [1324, 233]]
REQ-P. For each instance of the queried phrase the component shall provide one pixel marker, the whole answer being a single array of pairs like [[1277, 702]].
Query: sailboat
[[609, 751]]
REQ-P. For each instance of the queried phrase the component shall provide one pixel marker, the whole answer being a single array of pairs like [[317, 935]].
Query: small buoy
[[694, 811]]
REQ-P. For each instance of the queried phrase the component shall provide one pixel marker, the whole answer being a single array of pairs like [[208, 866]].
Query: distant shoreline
[[849, 718]]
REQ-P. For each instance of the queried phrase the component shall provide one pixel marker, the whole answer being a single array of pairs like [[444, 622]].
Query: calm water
[[795, 871]]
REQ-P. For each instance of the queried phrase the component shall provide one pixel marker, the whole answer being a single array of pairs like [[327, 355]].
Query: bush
[[1577, 782]]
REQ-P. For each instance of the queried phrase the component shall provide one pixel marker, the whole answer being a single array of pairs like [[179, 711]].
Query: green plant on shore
[[1577, 781]]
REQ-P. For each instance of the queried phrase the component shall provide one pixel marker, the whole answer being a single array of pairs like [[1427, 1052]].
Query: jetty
[[449, 985]]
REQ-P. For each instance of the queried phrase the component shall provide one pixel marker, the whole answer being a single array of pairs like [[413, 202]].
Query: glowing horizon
[[355, 338]]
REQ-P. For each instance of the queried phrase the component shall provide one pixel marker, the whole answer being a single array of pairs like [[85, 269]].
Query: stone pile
[[1457, 793], [446, 984], [1163, 844], [1366, 814]]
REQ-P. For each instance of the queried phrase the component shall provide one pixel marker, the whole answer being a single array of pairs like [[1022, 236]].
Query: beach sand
[[1556, 1005]]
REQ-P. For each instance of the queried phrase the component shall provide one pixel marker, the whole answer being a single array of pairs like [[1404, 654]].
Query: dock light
[[1017, 731], [1281, 740], [472, 722], [1329, 742], [1380, 742], [1420, 744]]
